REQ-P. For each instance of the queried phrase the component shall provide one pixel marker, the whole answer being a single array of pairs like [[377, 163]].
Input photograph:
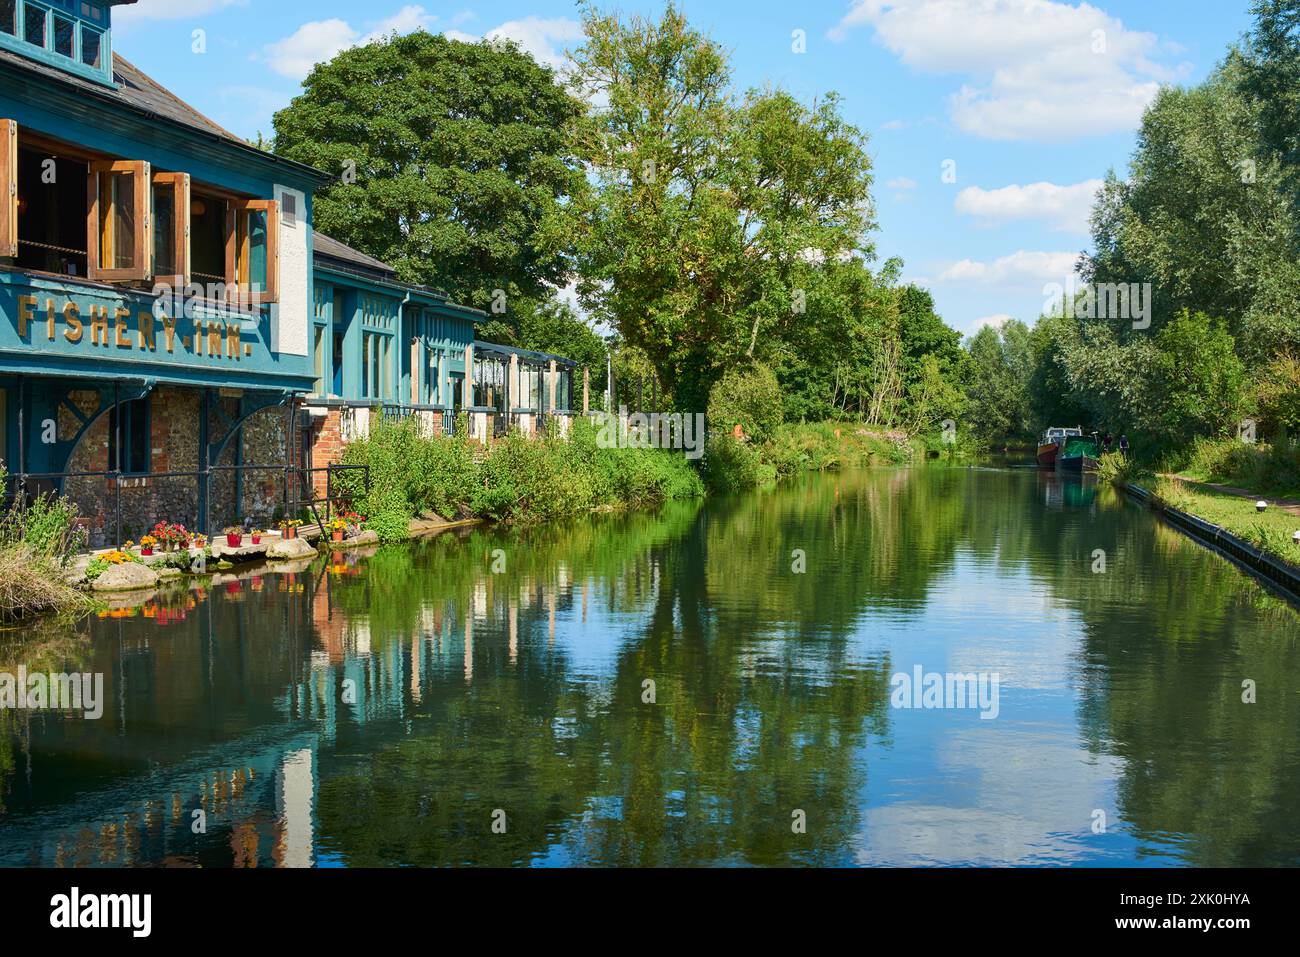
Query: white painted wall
[[291, 317]]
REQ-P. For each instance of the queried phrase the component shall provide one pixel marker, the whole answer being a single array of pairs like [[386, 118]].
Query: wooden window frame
[[143, 179], [180, 184], [237, 251], [8, 188]]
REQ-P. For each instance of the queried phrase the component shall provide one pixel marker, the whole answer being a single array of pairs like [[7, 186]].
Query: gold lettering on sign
[[26, 313], [111, 325], [99, 325], [144, 319], [120, 316], [73, 332]]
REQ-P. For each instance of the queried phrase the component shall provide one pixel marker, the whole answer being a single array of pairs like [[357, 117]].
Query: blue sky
[[1025, 103]]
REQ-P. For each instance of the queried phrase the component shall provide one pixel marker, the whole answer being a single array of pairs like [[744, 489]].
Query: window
[[64, 32], [120, 240], [208, 239], [50, 211], [34, 18], [385, 366], [365, 364], [130, 420], [92, 41], [336, 364], [318, 351], [8, 188], [252, 259], [9, 17], [171, 229]]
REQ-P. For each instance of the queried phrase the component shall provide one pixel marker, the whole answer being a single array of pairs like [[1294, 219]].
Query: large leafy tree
[[453, 162], [710, 213], [1205, 217], [999, 370]]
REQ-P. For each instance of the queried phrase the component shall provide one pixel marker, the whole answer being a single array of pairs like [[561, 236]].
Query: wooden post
[[586, 391]]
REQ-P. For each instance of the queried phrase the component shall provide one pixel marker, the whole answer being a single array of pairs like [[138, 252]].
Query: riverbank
[[421, 485]]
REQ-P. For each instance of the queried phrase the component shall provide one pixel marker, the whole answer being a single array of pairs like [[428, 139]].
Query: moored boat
[[1079, 455], [1049, 446]]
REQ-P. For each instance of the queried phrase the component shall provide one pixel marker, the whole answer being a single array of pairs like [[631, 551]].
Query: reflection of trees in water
[[1169, 634], [743, 732], [763, 704]]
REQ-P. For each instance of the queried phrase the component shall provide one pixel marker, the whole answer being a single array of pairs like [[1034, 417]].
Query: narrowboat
[[1079, 455], [1049, 447]]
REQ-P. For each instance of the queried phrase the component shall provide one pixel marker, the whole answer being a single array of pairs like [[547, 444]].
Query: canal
[[710, 685]]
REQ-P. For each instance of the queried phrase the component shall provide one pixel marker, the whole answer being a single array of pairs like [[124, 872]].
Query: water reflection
[[668, 689]]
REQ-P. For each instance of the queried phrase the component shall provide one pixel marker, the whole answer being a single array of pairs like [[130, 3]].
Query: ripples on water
[[379, 709]]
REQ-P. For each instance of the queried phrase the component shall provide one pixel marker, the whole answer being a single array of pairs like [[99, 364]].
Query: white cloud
[[406, 20], [1063, 208], [322, 40], [997, 322], [170, 9], [546, 41], [1036, 69], [1018, 268], [311, 43], [902, 182]]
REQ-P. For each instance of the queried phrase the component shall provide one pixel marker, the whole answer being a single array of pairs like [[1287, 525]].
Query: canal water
[[715, 684]]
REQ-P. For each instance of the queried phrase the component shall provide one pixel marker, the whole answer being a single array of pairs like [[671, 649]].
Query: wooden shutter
[[118, 232], [178, 186], [8, 188], [248, 289]]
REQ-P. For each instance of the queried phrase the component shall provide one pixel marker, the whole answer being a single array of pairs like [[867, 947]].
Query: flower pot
[[336, 535], [257, 539], [290, 532], [146, 553], [234, 541]]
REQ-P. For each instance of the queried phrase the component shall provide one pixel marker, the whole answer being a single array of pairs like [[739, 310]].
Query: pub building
[[175, 342]]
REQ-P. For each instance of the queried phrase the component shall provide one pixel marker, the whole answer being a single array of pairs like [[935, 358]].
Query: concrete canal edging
[[1245, 555]]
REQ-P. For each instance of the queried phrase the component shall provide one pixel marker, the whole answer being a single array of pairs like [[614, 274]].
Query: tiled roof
[[134, 89], [333, 249]]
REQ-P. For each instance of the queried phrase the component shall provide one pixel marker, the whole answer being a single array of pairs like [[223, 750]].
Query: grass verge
[[1270, 531]]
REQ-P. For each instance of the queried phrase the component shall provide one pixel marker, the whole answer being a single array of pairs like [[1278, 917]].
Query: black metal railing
[[297, 496]]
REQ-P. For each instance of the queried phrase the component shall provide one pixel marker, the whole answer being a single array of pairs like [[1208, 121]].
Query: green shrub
[[47, 526], [749, 397], [733, 465]]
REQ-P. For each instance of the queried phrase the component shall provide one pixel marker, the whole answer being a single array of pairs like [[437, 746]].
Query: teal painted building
[[176, 342], [155, 287]]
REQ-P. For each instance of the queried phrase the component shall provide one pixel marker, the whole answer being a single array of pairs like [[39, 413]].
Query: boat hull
[[1047, 455], [1079, 464]]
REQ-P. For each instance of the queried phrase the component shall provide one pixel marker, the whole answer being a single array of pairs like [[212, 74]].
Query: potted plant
[[257, 534], [289, 528], [146, 545], [336, 526], [234, 535]]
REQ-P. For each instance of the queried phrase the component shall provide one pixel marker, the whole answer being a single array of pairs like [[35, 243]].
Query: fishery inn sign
[[54, 324]]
